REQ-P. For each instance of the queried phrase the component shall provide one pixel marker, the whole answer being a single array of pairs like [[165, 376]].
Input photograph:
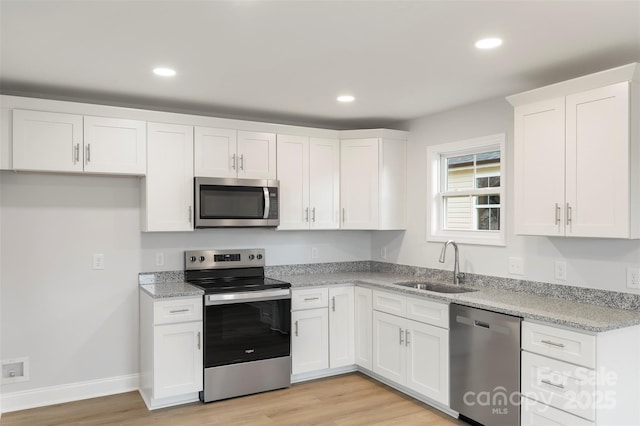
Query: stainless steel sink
[[438, 288]]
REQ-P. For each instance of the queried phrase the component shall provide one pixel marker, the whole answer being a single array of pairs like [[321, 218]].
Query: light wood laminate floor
[[351, 399]]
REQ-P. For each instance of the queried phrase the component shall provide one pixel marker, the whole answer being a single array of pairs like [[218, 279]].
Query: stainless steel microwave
[[236, 203]]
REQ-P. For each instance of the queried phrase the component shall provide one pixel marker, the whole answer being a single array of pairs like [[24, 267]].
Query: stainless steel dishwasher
[[484, 350]]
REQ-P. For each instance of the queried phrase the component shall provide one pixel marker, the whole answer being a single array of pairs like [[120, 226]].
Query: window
[[465, 191]]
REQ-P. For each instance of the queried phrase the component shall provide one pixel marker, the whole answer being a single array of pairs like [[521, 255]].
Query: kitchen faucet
[[457, 275]]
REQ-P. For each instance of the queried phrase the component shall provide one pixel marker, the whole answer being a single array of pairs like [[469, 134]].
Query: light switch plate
[[98, 261], [633, 278], [561, 270], [516, 266]]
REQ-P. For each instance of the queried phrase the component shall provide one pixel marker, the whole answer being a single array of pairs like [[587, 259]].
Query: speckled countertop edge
[[171, 290], [543, 307], [548, 309]]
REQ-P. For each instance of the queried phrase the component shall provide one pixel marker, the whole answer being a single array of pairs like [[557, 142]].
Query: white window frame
[[436, 176]]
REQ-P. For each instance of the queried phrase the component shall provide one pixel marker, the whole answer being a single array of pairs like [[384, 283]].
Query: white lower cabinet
[[310, 340], [341, 327], [323, 328], [411, 353], [571, 377], [363, 327], [171, 364]]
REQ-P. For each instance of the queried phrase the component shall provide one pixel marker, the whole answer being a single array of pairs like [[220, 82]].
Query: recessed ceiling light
[[489, 43], [164, 72], [346, 98]]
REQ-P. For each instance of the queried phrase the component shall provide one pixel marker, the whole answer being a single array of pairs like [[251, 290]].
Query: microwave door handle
[[267, 203]]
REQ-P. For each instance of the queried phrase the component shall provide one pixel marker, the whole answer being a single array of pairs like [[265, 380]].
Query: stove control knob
[[251, 257], [201, 258], [259, 256], [192, 258]]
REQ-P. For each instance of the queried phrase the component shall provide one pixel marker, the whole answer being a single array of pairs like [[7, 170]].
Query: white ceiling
[[286, 61]]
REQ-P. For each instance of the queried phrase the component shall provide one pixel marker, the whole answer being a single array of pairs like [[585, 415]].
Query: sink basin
[[438, 288]]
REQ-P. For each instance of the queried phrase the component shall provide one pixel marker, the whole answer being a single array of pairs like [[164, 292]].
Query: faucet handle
[[461, 276]]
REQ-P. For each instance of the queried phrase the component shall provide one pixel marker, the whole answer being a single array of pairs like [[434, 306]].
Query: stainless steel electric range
[[247, 323]]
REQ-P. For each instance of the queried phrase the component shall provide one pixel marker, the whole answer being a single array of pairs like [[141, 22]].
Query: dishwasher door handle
[[481, 324]]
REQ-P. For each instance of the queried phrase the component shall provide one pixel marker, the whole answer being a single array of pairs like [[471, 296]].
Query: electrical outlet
[[516, 266], [98, 261], [314, 252], [561, 270], [159, 259], [383, 252], [633, 278]]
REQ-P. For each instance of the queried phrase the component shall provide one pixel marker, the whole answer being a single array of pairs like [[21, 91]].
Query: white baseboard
[[40, 397]]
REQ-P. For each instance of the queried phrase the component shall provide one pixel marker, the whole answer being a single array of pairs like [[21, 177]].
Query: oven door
[[243, 327], [223, 202]]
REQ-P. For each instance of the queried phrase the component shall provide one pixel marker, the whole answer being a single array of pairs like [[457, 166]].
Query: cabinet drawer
[[309, 298], [177, 310], [428, 312], [565, 345], [390, 303], [537, 414], [559, 384]]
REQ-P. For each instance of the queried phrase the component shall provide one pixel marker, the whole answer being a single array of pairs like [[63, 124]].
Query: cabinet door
[[428, 360], [114, 145], [539, 168], [363, 327], [215, 152], [359, 183], [168, 187], [293, 174], [341, 327], [537, 414], [256, 155], [310, 340], [324, 183], [47, 141], [389, 359], [598, 173], [177, 359]]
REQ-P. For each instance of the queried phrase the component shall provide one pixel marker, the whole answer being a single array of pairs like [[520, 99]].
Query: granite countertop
[[175, 289], [548, 309], [583, 316]]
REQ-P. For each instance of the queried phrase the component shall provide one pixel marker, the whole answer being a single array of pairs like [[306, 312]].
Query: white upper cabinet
[[577, 158], [168, 187], [309, 175], [373, 183], [229, 153], [256, 155], [47, 141], [215, 152], [115, 145]]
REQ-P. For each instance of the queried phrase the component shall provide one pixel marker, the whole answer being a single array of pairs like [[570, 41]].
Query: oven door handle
[[249, 296], [267, 203]]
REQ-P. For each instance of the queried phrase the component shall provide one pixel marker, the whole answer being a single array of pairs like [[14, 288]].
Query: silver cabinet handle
[[242, 162], [233, 162], [406, 339], [333, 303], [343, 215], [88, 154], [401, 337], [307, 299], [189, 214], [313, 214], [569, 214], [557, 214], [177, 311], [550, 383], [306, 214], [549, 342], [199, 345], [76, 153], [296, 328]]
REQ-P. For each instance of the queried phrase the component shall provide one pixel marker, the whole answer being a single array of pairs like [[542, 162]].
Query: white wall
[[77, 324], [594, 263]]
